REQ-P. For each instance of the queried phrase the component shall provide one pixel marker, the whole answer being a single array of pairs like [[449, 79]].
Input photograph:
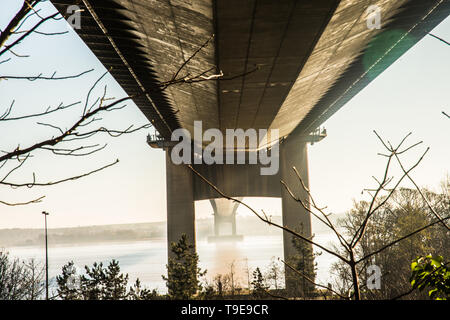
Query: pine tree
[[99, 283], [183, 271], [67, 283], [138, 293], [258, 284], [115, 283], [303, 261], [92, 283]]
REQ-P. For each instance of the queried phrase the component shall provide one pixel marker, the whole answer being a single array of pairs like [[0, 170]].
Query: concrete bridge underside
[[312, 56], [309, 59]]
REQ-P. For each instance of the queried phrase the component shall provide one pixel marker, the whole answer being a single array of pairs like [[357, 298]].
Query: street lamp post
[[46, 255]]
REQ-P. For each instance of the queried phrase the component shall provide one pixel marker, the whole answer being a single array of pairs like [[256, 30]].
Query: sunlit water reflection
[[146, 260]]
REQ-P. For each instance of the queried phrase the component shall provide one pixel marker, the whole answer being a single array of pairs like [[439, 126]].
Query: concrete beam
[[235, 181]]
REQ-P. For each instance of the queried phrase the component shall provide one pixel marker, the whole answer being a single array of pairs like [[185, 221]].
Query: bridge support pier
[[294, 153], [180, 203], [224, 215]]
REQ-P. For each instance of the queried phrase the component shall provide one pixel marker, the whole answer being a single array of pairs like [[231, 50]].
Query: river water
[[147, 260]]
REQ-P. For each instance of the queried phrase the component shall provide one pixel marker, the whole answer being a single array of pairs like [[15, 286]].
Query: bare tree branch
[[22, 203], [402, 238], [312, 202], [64, 133], [358, 235], [440, 39], [16, 42], [301, 274], [51, 183], [421, 194], [41, 77], [192, 56], [5, 117], [18, 17]]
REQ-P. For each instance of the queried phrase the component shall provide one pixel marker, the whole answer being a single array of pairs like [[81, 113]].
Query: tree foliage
[[138, 293], [304, 262], [275, 273], [20, 280], [403, 213], [182, 271], [259, 287], [99, 283], [432, 273]]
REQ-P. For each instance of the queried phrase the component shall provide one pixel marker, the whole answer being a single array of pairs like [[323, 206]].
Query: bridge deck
[[311, 56]]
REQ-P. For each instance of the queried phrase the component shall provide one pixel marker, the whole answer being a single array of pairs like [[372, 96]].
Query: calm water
[[147, 259]]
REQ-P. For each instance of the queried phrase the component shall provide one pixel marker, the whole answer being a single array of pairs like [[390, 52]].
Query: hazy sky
[[407, 97]]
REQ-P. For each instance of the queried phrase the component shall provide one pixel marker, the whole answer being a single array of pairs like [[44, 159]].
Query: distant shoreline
[[247, 225], [88, 243]]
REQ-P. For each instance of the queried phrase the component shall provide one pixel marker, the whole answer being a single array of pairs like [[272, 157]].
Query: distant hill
[[246, 225], [101, 233]]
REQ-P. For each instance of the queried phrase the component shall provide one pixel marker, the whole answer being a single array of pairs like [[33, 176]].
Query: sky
[[408, 97]]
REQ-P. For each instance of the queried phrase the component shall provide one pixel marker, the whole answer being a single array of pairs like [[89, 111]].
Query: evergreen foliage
[[183, 272]]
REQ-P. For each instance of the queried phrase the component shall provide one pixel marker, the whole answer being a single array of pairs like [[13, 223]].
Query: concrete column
[[216, 225], [233, 224], [224, 212], [293, 152], [180, 202]]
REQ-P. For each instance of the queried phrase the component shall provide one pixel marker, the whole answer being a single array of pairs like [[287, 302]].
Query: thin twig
[[22, 203], [51, 183], [311, 281], [402, 238], [440, 39]]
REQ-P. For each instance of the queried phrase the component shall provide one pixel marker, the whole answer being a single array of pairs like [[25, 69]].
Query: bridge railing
[[317, 135], [152, 138]]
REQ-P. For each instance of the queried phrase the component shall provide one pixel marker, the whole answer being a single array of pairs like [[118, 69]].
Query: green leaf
[[436, 263], [430, 293]]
